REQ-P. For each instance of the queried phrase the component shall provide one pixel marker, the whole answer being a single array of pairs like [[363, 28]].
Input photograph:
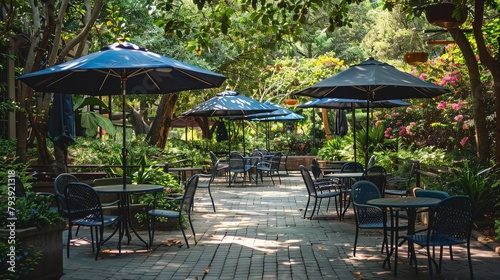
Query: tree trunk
[[162, 123], [491, 62], [478, 103], [324, 115]]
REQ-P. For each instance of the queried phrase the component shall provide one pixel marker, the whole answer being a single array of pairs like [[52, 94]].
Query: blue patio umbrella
[[373, 80], [345, 103], [280, 115], [121, 69], [228, 104]]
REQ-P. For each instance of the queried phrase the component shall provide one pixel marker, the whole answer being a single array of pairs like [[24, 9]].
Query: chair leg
[[470, 260], [211, 198], [429, 261], [183, 232], [355, 241], [307, 206], [314, 208], [192, 228], [69, 239]]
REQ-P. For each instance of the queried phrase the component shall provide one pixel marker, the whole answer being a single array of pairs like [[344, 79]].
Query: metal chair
[[237, 166], [400, 185], [284, 162], [84, 209], [271, 167], [352, 167], [377, 175], [205, 181], [223, 166], [368, 216], [450, 223], [314, 191], [186, 204]]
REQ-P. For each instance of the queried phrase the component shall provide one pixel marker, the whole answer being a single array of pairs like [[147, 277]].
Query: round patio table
[[394, 205], [124, 193]]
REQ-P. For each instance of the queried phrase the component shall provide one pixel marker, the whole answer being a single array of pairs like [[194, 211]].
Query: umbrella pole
[[229, 152], [354, 129], [367, 131], [124, 129]]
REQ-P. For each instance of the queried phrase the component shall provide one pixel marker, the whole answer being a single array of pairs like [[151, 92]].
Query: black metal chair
[[223, 166], [186, 204], [271, 167], [284, 162], [314, 190], [450, 223], [368, 216], [205, 181], [377, 175], [352, 167], [237, 166], [60, 183], [84, 209], [400, 185]]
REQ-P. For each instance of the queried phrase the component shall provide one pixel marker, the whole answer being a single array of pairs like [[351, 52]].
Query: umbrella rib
[[194, 77], [56, 81]]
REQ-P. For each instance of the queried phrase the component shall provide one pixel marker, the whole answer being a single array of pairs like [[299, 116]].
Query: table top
[[404, 202], [129, 188], [345, 175]]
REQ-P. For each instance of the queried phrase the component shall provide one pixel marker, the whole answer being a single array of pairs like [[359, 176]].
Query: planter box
[[49, 242], [294, 162]]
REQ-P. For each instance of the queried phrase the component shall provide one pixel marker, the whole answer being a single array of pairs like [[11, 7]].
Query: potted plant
[[31, 232], [445, 15], [332, 150], [414, 58]]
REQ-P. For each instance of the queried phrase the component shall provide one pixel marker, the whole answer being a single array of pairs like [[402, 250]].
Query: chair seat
[[164, 213], [436, 240], [377, 225], [327, 195], [96, 221]]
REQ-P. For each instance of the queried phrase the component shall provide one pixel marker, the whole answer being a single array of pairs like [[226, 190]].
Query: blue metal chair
[[450, 223]]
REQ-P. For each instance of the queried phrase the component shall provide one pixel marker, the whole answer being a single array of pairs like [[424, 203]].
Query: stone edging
[[493, 245]]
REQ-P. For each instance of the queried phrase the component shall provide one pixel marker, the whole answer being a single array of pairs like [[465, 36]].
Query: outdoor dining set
[[383, 202]]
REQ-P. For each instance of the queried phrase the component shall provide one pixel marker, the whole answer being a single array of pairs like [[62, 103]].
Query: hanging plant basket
[[290, 101], [414, 58], [441, 14]]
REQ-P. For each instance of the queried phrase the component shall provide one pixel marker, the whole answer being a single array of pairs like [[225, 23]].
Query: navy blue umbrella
[[61, 130], [121, 69]]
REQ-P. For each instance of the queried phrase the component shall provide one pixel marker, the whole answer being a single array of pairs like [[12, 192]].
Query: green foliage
[[30, 211], [25, 261], [91, 121], [482, 188], [333, 149]]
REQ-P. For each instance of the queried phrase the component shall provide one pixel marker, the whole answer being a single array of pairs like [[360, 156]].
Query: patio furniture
[[223, 166], [84, 209], [377, 175], [237, 166], [400, 185], [368, 216], [450, 223], [271, 167], [205, 181], [185, 208], [284, 162], [125, 204], [313, 191]]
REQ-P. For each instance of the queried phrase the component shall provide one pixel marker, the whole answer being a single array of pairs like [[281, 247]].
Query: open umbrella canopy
[[228, 103], [373, 80], [122, 68], [344, 103], [282, 118], [105, 73]]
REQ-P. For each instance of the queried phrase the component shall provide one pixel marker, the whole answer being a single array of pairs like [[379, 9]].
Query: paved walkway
[[258, 233]]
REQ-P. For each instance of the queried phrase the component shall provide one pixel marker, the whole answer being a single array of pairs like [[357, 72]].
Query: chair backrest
[[256, 157], [111, 181], [236, 162], [308, 181], [362, 191], [377, 175], [452, 217], [82, 201], [61, 181], [189, 192], [431, 193], [314, 162], [352, 167], [275, 161], [213, 157], [316, 171], [214, 172], [371, 161]]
